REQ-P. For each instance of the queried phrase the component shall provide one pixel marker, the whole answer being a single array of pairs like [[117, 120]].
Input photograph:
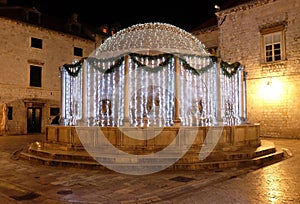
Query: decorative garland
[[233, 68], [117, 64], [73, 69], [168, 59], [188, 67]]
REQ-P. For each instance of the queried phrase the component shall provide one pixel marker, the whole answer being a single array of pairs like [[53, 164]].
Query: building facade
[[33, 47], [264, 36]]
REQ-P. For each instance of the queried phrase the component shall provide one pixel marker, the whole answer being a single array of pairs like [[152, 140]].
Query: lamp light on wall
[[217, 8], [272, 90]]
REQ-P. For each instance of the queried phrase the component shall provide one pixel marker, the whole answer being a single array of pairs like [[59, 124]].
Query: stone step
[[59, 162], [56, 156], [189, 157], [61, 155], [129, 164], [229, 156], [257, 162], [269, 158]]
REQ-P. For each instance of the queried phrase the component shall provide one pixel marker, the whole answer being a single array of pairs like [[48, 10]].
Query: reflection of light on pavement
[[273, 187]]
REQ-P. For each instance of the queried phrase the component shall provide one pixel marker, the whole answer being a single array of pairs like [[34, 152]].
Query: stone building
[[33, 47], [264, 36]]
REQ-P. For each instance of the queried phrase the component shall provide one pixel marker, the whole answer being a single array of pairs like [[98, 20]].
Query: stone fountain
[[152, 98]]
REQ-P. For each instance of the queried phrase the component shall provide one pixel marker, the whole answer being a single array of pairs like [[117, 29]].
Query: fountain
[[150, 98]]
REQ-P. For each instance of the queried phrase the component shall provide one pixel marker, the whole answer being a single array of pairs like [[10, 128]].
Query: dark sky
[[186, 14]]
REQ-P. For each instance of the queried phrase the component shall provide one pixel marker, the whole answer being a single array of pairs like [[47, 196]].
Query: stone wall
[[272, 93], [209, 37], [16, 55]]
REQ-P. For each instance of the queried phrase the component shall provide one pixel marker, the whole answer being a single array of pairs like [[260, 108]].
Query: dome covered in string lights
[[134, 77], [149, 37]]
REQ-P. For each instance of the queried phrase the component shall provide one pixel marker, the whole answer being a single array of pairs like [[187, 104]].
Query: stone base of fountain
[[238, 146]]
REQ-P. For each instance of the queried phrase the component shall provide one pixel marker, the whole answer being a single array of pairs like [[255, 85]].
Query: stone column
[[126, 92], [63, 96], [177, 120], [84, 95], [240, 94], [244, 91], [219, 93]]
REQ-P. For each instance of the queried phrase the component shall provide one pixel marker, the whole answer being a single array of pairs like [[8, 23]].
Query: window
[[10, 111], [37, 43], [78, 51], [54, 111], [273, 45], [35, 76]]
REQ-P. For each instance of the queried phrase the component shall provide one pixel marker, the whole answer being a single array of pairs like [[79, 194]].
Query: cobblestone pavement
[[25, 182], [276, 183]]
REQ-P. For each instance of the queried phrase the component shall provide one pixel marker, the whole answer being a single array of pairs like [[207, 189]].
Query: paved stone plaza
[[25, 182]]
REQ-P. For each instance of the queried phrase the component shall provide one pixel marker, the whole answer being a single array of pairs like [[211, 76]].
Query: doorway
[[34, 120]]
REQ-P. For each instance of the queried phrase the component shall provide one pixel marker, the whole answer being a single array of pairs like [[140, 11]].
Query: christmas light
[[96, 95]]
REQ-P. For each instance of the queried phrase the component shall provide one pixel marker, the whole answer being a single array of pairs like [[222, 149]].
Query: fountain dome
[[151, 38]]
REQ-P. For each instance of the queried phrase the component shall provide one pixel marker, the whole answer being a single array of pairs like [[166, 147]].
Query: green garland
[[233, 68], [168, 60], [116, 65], [188, 67], [73, 69]]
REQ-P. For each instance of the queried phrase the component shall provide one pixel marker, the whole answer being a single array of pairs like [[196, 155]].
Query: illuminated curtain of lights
[[71, 97], [232, 92], [96, 98]]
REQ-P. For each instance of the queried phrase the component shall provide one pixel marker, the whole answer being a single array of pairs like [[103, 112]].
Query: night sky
[[186, 14]]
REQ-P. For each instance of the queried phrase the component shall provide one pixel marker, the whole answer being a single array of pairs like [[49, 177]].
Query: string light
[[97, 98], [160, 37]]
